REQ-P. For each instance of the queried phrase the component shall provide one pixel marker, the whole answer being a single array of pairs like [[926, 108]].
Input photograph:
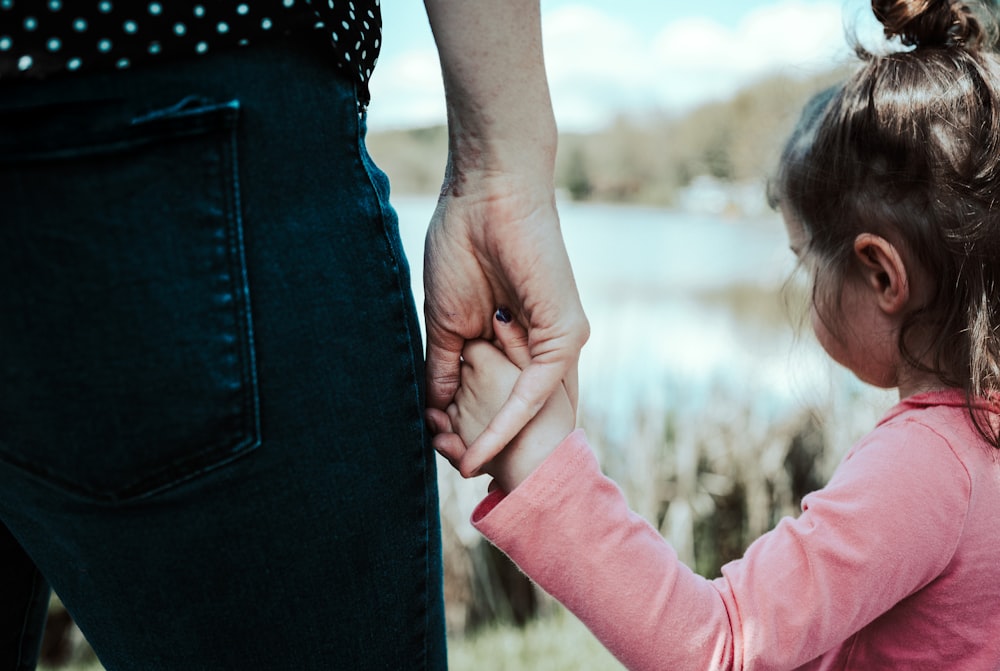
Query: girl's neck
[[918, 382]]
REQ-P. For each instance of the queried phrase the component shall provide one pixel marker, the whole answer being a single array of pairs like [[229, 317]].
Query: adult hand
[[489, 373], [495, 240]]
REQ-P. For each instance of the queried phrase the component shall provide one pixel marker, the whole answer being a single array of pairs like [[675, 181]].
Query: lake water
[[656, 342]]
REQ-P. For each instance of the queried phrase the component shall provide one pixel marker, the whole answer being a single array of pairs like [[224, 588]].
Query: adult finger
[[572, 384], [451, 447], [438, 421], [444, 352], [512, 338], [533, 387]]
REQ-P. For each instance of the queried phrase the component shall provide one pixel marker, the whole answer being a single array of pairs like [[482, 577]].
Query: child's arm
[[489, 373], [884, 528]]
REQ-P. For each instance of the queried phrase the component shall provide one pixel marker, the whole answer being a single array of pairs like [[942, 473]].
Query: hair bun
[[929, 23]]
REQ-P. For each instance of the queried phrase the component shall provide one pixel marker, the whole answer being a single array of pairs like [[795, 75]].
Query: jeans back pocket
[[126, 348]]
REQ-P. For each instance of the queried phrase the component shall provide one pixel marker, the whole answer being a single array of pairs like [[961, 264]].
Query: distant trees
[[650, 160], [640, 160]]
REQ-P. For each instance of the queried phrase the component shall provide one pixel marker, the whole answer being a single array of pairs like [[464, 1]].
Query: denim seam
[[366, 163], [244, 313]]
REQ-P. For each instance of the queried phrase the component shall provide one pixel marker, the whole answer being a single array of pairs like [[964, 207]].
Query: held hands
[[488, 375], [495, 240]]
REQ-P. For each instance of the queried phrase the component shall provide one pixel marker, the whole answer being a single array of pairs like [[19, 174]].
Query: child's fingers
[[475, 351], [512, 338]]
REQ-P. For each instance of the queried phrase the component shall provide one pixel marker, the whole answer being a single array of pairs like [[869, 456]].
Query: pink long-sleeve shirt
[[895, 564]]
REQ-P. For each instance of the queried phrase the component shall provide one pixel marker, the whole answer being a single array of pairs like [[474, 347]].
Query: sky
[[610, 57]]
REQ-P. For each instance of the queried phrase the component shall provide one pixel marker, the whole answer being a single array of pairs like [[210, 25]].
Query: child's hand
[[488, 375]]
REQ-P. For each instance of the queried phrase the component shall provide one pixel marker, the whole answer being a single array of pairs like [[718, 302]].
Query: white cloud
[[692, 60], [600, 65], [700, 60], [407, 90], [596, 64]]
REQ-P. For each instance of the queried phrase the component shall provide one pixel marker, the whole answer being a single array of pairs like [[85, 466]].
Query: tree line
[[648, 159]]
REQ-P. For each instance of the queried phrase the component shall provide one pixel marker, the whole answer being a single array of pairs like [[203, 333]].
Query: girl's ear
[[883, 272]]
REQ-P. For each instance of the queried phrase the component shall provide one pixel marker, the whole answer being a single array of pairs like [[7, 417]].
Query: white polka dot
[[223, 27], [243, 42], [347, 56], [122, 63], [335, 37], [5, 43], [357, 45], [288, 3], [53, 44], [346, 25], [73, 64], [376, 44], [23, 63], [330, 3], [179, 28], [154, 48], [155, 8], [104, 46], [79, 24], [201, 47], [130, 27], [265, 23], [242, 10], [30, 23], [55, 5], [199, 11], [6, 4], [104, 7]]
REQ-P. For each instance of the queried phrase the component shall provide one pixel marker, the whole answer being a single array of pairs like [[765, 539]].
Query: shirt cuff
[[572, 454]]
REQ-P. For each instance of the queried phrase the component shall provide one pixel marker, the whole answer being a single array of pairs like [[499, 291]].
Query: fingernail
[[503, 315]]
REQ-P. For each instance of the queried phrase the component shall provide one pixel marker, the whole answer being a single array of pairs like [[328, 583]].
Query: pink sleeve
[[886, 525]]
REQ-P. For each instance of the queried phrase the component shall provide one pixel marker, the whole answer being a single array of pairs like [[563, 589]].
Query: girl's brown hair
[[909, 148]]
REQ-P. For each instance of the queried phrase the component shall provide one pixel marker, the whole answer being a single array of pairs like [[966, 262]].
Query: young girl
[[888, 188]]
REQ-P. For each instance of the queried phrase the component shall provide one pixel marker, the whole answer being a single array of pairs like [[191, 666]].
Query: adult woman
[[206, 452]]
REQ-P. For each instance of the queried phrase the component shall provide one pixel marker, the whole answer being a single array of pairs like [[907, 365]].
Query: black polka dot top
[[40, 38]]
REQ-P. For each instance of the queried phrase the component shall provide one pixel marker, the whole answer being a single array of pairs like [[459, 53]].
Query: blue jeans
[[211, 377]]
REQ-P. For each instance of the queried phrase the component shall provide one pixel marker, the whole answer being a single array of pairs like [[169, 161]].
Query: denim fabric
[[211, 435]]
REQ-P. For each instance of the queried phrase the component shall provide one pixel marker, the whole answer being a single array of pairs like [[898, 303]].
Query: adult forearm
[[499, 110]]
